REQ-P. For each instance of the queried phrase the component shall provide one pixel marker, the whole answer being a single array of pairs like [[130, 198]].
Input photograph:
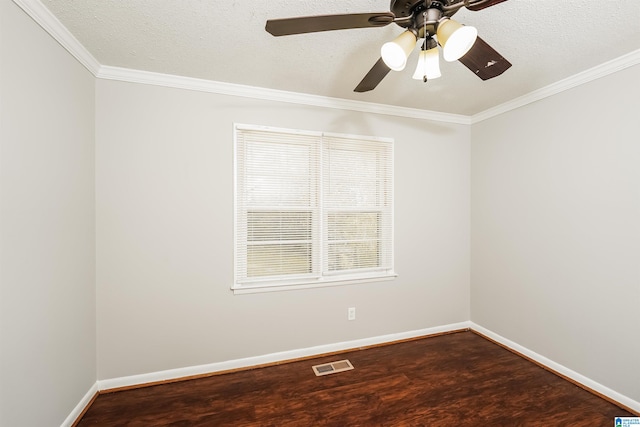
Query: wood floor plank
[[458, 379]]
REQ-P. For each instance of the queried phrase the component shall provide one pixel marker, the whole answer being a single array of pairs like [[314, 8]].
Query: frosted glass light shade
[[428, 65], [395, 53], [456, 39]]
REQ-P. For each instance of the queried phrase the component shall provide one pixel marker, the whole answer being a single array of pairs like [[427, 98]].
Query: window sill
[[324, 283]]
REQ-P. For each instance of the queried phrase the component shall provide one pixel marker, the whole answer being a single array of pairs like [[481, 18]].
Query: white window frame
[[322, 276]]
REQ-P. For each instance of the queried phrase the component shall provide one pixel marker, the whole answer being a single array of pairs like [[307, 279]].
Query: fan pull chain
[[424, 46]]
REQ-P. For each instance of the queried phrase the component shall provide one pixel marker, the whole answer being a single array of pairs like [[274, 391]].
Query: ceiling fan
[[427, 21]]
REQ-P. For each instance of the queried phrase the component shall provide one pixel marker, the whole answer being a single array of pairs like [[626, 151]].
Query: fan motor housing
[[413, 9], [404, 8]]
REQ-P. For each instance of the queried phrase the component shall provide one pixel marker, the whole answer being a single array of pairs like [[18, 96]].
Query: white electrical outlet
[[351, 313]]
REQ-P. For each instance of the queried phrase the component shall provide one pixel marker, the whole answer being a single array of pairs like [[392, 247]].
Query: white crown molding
[[189, 83], [586, 76], [171, 374], [59, 32], [556, 367], [43, 17]]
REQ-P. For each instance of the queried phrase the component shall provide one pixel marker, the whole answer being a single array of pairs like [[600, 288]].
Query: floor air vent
[[332, 368]]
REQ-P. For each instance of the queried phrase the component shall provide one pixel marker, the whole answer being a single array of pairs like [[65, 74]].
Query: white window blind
[[358, 205], [311, 208]]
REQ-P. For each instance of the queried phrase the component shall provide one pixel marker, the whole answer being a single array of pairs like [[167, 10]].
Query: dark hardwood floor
[[459, 379]]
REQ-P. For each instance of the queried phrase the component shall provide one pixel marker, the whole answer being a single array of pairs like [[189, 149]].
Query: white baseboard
[[84, 402], [172, 374], [579, 378]]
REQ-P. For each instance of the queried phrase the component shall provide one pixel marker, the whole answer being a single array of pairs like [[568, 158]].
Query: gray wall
[[164, 191], [555, 199], [47, 227]]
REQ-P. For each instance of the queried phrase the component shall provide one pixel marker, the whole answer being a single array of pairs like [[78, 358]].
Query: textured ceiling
[[225, 41]]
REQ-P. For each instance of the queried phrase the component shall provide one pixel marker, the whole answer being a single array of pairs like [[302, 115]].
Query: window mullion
[[322, 241]]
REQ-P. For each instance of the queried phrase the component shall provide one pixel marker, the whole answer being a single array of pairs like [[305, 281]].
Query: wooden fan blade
[[483, 4], [373, 77], [484, 61], [313, 24]]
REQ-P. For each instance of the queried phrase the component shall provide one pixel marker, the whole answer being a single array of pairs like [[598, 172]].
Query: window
[[311, 209]]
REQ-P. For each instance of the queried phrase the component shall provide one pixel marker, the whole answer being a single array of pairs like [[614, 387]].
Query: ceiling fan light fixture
[[395, 53], [428, 65], [428, 20], [456, 39]]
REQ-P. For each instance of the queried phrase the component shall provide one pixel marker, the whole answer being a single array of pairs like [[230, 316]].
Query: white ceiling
[[225, 41]]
